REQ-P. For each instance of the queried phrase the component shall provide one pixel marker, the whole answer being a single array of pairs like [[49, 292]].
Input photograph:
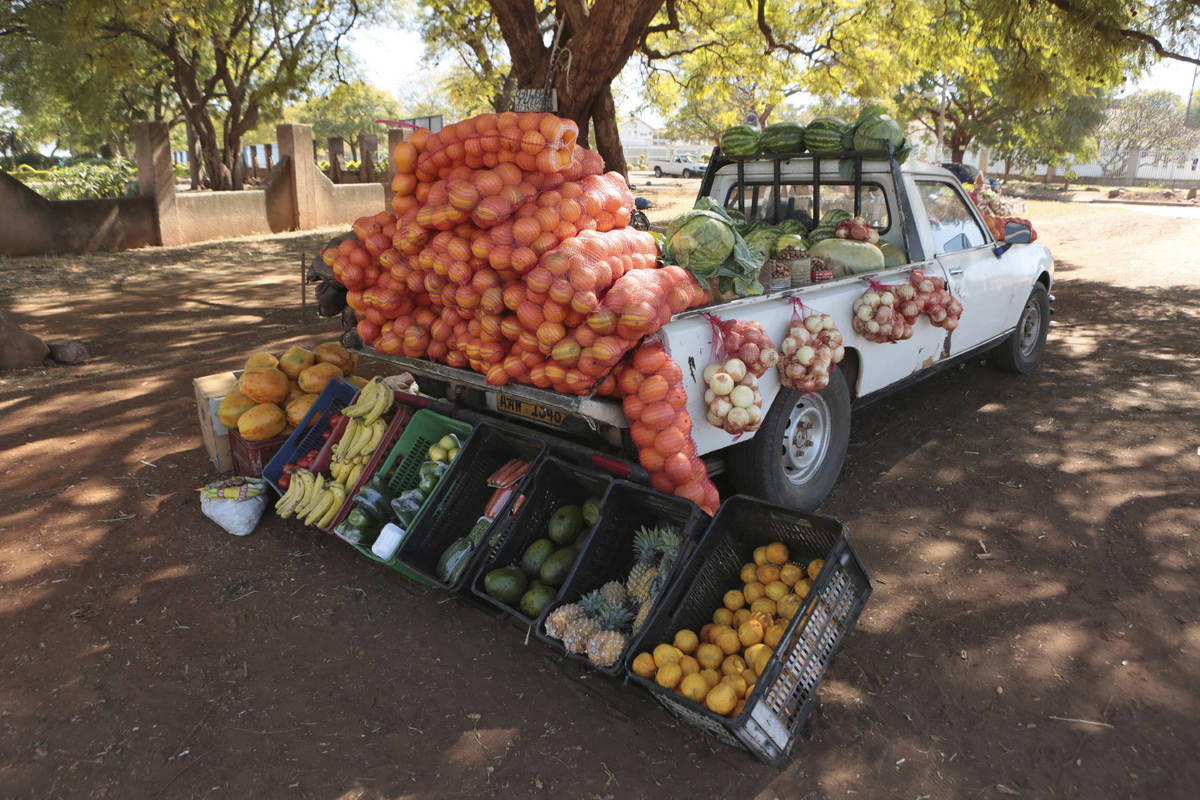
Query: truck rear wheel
[[795, 458], [658, 172], [1022, 351]]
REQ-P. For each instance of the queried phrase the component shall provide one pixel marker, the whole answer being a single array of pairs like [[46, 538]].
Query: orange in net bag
[[535, 142]]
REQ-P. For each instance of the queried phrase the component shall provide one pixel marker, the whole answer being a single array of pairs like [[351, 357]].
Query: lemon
[[753, 590], [802, 588], [750, 632], [760, 556], [694, 688], [740, 616], [669, 676], [686, 641], [689, 665], [722, 616], [748, 572], [721, 699], [777, 590], [764, 604], [733, 665], [734, 600], [790, 573], [788, 606], [767, 573], [737, 683], [814, 568], [777, 553], [757, 656], [711, 676], [738, 708], [709, 656], [666, 654], [727, 639], [644, 665], [773, 634], [706, 632]]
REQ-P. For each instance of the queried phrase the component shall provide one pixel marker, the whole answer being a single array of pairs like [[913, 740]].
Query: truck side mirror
[[1017, 232]]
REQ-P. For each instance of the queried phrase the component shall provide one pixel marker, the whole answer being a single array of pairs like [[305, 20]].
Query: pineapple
[[643, 614], [613, 593], [645, 548], [577, 632], [561, 618], [605, 646]]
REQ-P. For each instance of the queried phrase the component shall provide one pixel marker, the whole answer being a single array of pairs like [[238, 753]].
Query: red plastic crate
[[250, 458]]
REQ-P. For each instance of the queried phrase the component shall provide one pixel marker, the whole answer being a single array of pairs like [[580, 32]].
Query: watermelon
[[893, 256], [762, 241], [782, 137], [790, 240], [848, 257], [824, 134], [740, 141], [828, 224], [792, 226]]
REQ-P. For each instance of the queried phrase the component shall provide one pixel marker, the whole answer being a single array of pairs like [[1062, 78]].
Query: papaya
[[233, 406], [565, 524], [294, 391], [536, 598], [296, 409], [506, 584], [264, 385], [355, 380], [295, 361], [264, 421], [535, 555], [315, 378], [261, 360], [557, 566], [334, 353]]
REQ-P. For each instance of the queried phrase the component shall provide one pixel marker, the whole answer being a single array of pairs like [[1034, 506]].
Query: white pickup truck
[[678, 167], [795, 457]]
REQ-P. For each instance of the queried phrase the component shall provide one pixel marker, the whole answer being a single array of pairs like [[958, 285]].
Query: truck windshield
[[795, 201]]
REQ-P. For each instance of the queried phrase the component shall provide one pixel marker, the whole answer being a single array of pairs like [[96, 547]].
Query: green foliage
[[349, 111], [81, 181], [465, 35]]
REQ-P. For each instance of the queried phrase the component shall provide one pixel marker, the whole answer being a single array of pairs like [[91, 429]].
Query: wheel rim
[[806, 439], [1031, 326]]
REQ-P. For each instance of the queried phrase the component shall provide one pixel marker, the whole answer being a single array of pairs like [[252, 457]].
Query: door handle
[[957, 273]]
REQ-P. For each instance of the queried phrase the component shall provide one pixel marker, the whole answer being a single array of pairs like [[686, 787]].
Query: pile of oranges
[[719, 666]]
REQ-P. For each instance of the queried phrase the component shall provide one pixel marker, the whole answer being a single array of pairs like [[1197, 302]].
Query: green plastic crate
[[404, 462]]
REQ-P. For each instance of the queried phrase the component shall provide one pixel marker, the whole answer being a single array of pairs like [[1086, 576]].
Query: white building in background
[[640, 138]]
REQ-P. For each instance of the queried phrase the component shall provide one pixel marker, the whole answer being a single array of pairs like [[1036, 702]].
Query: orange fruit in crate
[[711, 676], [740, 616], [733, 665], [644, 665], [753, 590], [706, 632], [709, 656], [666, 654], [777, 590], [669, 676], [766, 573], [790, 574], [721, 699], [694, 688], [788, 606], [723, 616], [757, 657], [741, 704], [689, 665], [802, 588], [727, 639], [764, 604], [734, 600], [748, 573], [686, 641], [814, 568], [777, 553], [760, 555], [773, 635], [737, 683], [750, 632]]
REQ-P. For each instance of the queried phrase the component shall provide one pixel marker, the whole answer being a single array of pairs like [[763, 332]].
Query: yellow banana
[[339, 497], [313, 497], [376, 437], [353, 475], [286, 503], [320, 507], [364, 402], [306, 482]]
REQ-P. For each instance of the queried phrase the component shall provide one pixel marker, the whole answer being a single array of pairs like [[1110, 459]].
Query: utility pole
[[1187, 116]]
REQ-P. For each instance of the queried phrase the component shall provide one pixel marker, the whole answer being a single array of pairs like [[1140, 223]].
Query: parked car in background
[[685, 166]]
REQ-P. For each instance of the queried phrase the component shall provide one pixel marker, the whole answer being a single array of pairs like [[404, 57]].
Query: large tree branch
[[1099, 24], [520, 25]]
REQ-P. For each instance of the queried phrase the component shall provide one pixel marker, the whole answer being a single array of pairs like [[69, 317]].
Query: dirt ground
[[1033, 633]]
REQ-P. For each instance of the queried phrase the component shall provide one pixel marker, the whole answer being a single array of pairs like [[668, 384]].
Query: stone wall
[[297, 196]]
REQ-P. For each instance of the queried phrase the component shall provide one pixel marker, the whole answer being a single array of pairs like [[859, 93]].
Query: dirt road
[[1034, 629]]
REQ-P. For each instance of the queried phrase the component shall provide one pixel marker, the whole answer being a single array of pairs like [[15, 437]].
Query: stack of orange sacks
[[507, 252]]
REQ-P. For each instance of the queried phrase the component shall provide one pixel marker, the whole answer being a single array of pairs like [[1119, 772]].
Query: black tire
[[1022, 351], [658, 172], [687, 173], [770, 467]]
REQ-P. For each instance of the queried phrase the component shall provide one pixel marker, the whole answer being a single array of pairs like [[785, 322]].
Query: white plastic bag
[[236, 504]]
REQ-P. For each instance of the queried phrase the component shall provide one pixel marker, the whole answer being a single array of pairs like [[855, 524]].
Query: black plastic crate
[[782, 698], [608, 554], [552, 483], [460, 498]]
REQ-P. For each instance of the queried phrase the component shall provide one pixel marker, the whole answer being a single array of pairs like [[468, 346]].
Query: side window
[[954, 227], [796, 202]]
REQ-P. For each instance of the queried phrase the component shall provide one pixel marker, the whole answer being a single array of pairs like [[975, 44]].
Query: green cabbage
[[700, 241], [876, 128]]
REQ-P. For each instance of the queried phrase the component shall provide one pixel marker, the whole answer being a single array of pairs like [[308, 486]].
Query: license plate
[[533, 411]]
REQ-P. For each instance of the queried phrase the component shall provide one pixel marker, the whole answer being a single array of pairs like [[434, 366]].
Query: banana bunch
[[373, 402], [310, 498], [354, 449]]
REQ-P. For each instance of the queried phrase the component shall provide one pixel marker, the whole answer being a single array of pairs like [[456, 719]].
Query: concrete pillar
[[336, 150], [254, 161], [368, 148], [984, 153], [156, 177], [296, 143], [267, 151]]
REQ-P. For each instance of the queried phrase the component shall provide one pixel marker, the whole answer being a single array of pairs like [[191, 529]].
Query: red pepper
[[285, 480]]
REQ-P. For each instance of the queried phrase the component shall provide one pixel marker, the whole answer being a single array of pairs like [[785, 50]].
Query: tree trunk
[[608, 137], [193, 153]]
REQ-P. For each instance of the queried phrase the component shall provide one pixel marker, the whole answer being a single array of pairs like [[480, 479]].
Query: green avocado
[[565, 524], [506, 584], [454, 560], [535, 600], [557, 567], [591, 511], [535, 555]]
